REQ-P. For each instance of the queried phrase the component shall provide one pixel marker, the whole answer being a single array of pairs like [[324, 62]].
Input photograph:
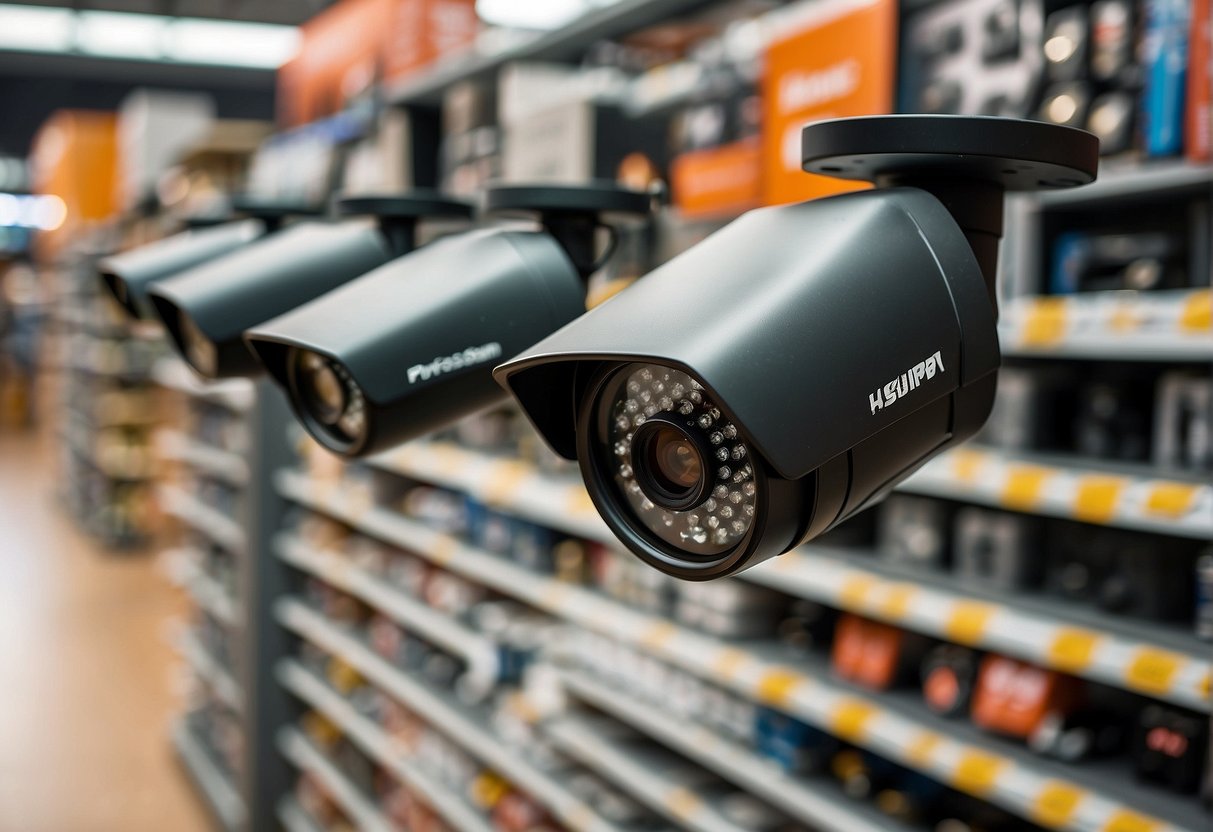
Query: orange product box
[[422, 31], [718, 182], [1013, 697], [868, 652], [1198, 141], [841, 62]]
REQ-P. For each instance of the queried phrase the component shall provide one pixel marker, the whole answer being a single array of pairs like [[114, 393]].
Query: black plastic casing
[[791, 317], [128, 275], [493, 291], [226, 296]]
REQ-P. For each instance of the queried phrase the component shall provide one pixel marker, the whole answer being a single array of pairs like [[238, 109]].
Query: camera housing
[[207, 309], [128, 276], [789, 370], [408, 347]]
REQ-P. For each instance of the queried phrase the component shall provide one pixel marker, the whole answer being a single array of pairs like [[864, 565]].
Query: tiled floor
[[86, 688]]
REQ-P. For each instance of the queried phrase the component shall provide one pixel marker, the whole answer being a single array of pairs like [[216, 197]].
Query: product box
[[1014, 697], [578, 141], [424, 31], [719, 181], [154, 128], [1198, 141], [1165, 54], [840, 62]]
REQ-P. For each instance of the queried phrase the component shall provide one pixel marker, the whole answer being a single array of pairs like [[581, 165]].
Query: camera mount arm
[[572, 214], [967, 162], [399, 214], [273, 213]]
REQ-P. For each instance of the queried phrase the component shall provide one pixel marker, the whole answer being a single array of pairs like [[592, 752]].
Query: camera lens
[[681, 465], [327, 396], [670, 463], [199, 349], [321, 388]]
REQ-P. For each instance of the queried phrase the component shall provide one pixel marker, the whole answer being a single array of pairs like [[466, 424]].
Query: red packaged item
[[873, 654], [1014, 697]]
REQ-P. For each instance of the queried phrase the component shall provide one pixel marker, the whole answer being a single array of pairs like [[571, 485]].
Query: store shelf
[[639, 771], [224, 465], [1157, 661], [1130, 179], [1121, 496], [1151, 659], [210, 671], [568, 43], [462, 727], [202, 518], [501, 482], [818, 803], [357, 806], [184, 570], [294, 818], [416, 616], [1125, 326], [216, 789], [234, 394], [1022, 783], [379, 746]]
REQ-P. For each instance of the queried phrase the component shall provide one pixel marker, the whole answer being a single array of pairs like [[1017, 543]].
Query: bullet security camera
[[127, 276], [409, 347], [207, 309], [785, 373]]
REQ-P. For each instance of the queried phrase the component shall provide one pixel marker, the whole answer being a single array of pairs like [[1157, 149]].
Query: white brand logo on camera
[[904, 383], [450, 363]]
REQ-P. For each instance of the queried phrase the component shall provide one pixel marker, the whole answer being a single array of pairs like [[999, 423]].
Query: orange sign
[[720, 181], [840, 62]]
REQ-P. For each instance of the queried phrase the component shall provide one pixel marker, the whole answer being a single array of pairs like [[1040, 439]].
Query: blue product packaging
[[1165, 53]]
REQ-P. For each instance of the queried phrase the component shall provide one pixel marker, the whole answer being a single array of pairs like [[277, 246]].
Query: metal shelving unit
[[994, 770], [243, 683], [465, 728], [379, 747], [212, 783], [357, 806]]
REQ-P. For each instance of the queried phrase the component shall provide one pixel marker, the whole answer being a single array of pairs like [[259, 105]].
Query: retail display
[[417, 604]]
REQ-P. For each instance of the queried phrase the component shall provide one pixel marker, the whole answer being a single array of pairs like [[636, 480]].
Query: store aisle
[[85, 671]]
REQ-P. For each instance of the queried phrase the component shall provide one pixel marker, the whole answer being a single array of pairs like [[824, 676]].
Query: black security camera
[[128, 276], [207, 309], [409, 347], [785, 373]]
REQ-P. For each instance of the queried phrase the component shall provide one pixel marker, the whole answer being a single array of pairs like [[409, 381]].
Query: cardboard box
[[719, 181], [841, 62]]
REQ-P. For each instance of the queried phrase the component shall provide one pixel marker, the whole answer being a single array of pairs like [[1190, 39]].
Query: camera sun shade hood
[[844, 255], [224, 297], [522, 281], [130, 274]]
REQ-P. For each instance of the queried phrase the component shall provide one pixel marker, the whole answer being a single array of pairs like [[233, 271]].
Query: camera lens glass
[[680, 464], [199, 349], [324, 390]]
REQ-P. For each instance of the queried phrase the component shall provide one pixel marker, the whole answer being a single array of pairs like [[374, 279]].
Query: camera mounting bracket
[[399, 213], [967, 162], [273, 212], [572, 214]]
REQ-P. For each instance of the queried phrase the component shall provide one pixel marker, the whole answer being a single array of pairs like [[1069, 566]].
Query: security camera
[[786, 372], [127, 276], [207, 309], [409, 347]]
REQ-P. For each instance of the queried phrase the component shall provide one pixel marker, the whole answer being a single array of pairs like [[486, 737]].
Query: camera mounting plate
[[573, 214], [398, 213], [417, 203], [1016, 154], [273, 209], [602, 198]]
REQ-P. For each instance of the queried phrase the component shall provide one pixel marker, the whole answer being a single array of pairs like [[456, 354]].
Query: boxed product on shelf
[[949, 677], [997, 549], [1183, 421], [1170, 747], [913, 531], [1204, 596], [978, 57], [1015, 698], [874, 654]]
